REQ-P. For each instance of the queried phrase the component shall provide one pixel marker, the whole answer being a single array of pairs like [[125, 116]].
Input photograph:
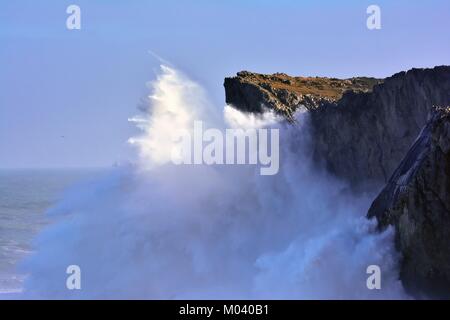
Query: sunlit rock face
[[416, 201], [361, 127]]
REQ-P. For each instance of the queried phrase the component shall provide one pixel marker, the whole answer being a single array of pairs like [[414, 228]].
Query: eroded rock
[[416, 201]]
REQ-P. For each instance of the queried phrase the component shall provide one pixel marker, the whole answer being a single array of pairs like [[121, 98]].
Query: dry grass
[[317, 86]]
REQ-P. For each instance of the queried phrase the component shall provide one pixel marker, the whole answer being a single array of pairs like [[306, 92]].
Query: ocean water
[[25, 195]]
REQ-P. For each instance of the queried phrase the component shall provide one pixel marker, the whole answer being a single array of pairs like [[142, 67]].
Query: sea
[[25, 196]]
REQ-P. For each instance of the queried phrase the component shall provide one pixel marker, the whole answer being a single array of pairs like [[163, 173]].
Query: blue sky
[[84, 84]]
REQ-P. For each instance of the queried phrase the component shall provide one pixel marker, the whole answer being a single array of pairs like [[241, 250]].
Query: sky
[[66, 95]]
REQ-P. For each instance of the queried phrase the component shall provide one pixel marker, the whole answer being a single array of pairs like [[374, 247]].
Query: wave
[[162, 231]]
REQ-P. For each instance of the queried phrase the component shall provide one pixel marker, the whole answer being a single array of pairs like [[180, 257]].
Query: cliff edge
[[361, 127]]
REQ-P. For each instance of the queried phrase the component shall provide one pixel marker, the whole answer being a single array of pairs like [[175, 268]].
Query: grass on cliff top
[[332, 88]]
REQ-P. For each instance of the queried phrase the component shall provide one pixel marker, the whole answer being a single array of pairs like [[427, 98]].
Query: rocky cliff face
[[365, 131], [254, 92], [416, 201], [362, 127]]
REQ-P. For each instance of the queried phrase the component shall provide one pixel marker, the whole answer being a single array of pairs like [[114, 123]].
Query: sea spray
[[158, 230]]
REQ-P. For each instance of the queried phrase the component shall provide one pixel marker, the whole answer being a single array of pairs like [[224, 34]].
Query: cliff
[[416, 200], [374, 133], [253, 92], [361, 127]]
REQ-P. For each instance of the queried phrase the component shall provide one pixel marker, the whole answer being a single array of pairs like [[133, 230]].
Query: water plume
[[161, 231]]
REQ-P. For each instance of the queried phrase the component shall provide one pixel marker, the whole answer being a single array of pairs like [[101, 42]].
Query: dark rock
[[416, 201]]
